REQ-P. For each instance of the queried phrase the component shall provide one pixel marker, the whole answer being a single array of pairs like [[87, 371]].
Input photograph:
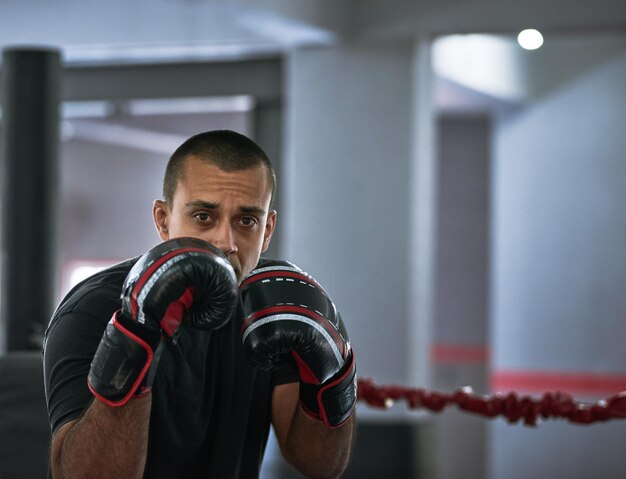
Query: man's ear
[[160, 215], [270, 224]]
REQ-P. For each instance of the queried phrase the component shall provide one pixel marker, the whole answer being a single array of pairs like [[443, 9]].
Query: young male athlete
[[174, 364]]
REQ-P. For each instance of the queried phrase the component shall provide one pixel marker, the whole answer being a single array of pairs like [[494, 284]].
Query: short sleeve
[[72, 338], [71, 342]]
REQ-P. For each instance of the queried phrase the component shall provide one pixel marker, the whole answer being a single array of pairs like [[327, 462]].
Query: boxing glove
[[183, 279], [287, 314]]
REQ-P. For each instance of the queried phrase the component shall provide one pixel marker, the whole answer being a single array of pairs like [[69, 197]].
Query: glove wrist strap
[[123, 362], [332, 402]]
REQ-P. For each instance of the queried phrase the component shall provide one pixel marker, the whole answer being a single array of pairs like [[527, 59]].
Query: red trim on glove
[[175, 311], [304, 371], [320, 404]]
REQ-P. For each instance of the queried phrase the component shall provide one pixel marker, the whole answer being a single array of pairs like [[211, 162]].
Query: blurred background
[[458, 191]]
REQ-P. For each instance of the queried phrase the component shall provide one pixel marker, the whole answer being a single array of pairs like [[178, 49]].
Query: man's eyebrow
[[252, 210], [208, 205], [202, 204]]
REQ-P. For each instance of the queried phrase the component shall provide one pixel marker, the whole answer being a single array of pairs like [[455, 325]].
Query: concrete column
[[349, 204]]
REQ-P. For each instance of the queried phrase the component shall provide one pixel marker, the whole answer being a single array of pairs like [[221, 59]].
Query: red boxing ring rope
[[511, 406]]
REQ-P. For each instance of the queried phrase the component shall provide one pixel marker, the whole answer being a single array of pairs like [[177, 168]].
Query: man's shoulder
[[97, 290]]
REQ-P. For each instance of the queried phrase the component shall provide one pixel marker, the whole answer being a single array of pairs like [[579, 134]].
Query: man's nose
[[224, 239]]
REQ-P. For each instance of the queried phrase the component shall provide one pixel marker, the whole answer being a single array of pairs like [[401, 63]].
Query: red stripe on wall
[[550, 381], [529, 381], [459, 353]]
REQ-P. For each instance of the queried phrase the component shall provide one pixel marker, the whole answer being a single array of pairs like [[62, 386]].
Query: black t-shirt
[[211, 409]]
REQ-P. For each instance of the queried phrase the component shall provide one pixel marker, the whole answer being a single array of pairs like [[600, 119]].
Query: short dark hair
[[228, 150]]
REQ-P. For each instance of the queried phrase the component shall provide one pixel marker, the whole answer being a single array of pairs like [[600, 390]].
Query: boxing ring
[[512, 406]]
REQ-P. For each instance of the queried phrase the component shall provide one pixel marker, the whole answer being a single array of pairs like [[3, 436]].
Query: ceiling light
[[530, 39]]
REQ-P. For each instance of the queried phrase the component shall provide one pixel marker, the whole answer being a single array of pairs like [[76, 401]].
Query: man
[[167, 388]]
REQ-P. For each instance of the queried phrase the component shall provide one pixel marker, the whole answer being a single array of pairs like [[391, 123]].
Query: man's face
[[229, 210]]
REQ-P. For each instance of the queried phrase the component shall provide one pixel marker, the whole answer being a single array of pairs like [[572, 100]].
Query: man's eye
[[202, 217], [248, 221]]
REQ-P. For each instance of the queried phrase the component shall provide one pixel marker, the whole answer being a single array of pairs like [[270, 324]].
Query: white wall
[[559, 230], [559, 263]]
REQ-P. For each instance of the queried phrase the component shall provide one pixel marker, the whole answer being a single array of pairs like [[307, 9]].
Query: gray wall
[[559, 230], [559, 263]]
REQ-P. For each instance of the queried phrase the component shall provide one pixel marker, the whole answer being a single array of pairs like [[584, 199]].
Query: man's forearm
[[105, 442], [317, 451]]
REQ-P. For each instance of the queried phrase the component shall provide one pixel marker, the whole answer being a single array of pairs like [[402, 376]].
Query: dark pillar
[[267, 129], [29, 160]]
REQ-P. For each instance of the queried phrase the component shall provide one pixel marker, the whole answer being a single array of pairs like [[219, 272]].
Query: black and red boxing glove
[[287, 314], [183, 279]]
